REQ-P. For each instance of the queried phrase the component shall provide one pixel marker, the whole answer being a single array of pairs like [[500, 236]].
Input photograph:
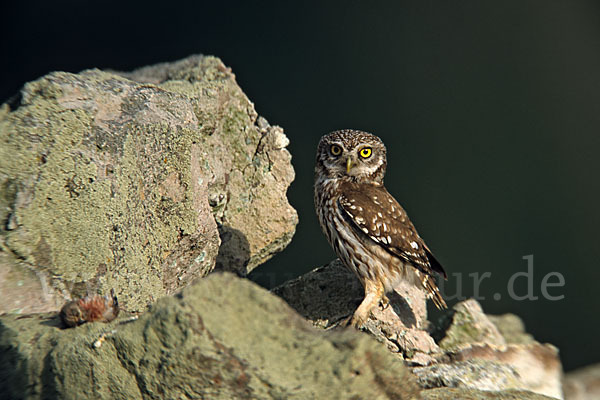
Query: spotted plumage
[[368, 229]]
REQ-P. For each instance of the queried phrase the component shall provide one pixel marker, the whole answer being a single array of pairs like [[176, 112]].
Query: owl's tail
[[433, 292], [431, 288]]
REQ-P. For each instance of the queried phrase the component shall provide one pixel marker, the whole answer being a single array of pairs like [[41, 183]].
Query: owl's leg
[[374, 293]]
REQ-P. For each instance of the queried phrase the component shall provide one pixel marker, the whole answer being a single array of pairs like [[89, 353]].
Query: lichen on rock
[[139, 182], [145, 181], [222, 338]]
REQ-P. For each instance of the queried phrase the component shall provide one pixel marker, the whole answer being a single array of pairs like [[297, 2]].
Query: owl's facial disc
[[360, 161], [335, 160]]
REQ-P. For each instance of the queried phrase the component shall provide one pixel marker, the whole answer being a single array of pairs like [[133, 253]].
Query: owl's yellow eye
[[335, 150], [366, 152]]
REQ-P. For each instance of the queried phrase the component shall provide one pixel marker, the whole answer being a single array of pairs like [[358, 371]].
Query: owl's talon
[[359, 319], [384, 303]]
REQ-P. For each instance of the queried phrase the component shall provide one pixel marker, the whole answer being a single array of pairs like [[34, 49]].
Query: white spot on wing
[[414, 245]]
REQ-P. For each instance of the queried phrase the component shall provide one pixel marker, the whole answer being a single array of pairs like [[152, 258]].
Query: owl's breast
[[359, 253]]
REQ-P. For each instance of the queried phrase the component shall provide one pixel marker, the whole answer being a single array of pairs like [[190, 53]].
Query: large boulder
[[221, 338], [139, 182]]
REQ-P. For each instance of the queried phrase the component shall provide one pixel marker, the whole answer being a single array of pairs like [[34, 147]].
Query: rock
[[220, 338], [223, 337], [483, 375], [583, 383], [537, 365], [23, 289], [468, 325], [327, 296], [472, 350], [144, 182], [139, 181], [496, 356], [511, 328], [465, 394], [245, 161], [476, 346]]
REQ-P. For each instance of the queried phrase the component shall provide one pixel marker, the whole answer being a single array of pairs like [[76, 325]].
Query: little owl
[[369, 231]]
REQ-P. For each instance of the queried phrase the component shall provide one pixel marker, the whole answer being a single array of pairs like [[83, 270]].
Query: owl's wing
[[378, 215]]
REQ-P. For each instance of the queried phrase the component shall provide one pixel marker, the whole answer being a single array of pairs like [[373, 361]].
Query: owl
[[368, 229], [90, 309]]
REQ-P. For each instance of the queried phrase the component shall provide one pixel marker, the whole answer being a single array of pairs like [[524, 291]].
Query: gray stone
[[483, 375], [221, 338], [491, 353], [511, 328], [246, 165], [472, 350], [144, 182], [328, 295], [468, 325], [140, 182], [583, 383], [469, 394]]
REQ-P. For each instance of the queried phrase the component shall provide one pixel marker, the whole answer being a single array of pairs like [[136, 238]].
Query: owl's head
[[356, 155]]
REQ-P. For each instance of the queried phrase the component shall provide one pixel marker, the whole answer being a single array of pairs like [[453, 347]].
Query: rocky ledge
[[221, 338], [466, 349]]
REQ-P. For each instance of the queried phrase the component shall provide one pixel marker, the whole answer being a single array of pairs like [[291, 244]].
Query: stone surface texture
[[145, 181], [327, 296], [220, 338], [139, 182], [467, 349], [583, 383]]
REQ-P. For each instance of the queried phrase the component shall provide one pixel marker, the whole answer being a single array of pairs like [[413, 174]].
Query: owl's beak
[[348, 165]]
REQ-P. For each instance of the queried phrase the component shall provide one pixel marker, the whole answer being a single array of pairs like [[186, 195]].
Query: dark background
[[490, 112]]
